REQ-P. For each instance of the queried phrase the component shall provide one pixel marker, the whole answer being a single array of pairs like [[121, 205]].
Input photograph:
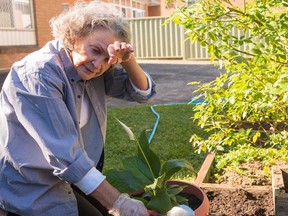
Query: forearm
[[106, 194], [136, 74]]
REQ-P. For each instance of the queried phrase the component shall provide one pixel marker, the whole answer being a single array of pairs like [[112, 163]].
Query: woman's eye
[[97, 51]]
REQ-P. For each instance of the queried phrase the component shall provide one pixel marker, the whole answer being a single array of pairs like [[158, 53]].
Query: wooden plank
[[204, 172], [279, 194], [236, 187]]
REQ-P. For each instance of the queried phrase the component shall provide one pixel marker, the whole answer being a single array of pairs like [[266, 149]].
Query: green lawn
[[171, 139]]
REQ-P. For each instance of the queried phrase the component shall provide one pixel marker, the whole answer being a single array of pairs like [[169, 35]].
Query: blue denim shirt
[[42, 148]]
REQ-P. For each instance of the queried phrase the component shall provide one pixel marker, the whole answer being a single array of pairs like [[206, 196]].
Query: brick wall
[[43, 11], [9, 55]]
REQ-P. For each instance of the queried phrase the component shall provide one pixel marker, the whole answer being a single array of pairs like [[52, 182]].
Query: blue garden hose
[[158, 116], [155, 125]]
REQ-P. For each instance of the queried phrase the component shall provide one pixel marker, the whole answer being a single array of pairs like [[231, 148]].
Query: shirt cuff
[[90, 181], [144, 92]]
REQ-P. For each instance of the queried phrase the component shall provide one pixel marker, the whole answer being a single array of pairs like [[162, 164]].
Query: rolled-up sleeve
[[90, 181], [144, 92], [118, 85]]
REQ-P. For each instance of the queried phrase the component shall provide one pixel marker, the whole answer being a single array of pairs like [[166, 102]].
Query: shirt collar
[[70, 70]]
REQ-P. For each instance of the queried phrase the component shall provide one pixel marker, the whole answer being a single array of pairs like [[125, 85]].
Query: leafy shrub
[[247, 103]]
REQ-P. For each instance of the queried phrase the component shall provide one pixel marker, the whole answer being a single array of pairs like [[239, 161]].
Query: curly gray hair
[[84, 18]]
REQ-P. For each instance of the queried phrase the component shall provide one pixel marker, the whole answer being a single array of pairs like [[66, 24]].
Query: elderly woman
[[53, 117]]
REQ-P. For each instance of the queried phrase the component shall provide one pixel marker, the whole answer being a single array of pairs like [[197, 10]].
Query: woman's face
[[90, 56]]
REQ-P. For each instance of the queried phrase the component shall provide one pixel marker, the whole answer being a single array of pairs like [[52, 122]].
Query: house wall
[[43, 11], [9, 55], [154, 10], [165, 11]]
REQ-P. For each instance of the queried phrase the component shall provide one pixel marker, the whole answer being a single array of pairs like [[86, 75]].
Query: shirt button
[[69, 192], [72, 80], [79, 96]]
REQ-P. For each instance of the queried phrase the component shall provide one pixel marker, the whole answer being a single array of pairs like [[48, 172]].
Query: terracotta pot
[[192, 189]]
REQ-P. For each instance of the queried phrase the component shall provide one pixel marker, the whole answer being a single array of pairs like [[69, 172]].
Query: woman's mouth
[[88, 69]]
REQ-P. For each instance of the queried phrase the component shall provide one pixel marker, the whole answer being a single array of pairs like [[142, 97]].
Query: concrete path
[[171, 77]]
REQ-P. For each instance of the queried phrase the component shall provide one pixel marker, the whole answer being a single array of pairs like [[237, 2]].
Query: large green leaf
[[181, 200], [170, 167], [158, 183], [134, 176], [174, 191], [124, 181], [139, 169], [144, 152], [161, 202]]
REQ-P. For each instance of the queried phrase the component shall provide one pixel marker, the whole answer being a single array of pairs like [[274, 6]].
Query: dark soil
[[236, 202], [252, 174], [241, 195], [240, 202], [193, 201]]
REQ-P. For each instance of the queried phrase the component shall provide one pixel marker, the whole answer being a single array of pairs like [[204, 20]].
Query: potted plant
[[146, 179]]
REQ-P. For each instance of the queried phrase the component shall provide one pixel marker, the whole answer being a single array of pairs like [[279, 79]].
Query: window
[[138, 13], [6, 14], [124, 12], [15, 14], [16, 23], [130, 9]]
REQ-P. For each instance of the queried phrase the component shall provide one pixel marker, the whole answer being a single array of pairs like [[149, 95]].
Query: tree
[[248, 102]]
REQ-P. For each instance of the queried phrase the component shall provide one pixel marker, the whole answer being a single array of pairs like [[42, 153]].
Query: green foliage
[[247, 154], [246, 104], [145, 171]]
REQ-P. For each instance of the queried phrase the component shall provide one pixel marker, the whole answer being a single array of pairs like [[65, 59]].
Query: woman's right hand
[[125, 206], [119, 52]]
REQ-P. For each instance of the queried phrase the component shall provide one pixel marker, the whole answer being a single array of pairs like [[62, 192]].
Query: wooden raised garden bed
[[280, 189], [233, 199]]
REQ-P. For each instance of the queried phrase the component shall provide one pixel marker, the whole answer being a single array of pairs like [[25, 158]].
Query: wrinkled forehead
[[100, 38]]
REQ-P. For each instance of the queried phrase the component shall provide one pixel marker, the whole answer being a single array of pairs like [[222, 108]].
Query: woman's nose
[[97, 62]]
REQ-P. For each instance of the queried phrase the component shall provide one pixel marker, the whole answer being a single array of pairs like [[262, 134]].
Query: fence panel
[[153, 40]]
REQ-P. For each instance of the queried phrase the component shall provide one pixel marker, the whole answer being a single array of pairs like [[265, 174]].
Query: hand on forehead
[[119, 52]]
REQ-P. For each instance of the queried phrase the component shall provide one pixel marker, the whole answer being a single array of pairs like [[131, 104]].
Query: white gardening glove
[[125, 206], [181, 210]]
